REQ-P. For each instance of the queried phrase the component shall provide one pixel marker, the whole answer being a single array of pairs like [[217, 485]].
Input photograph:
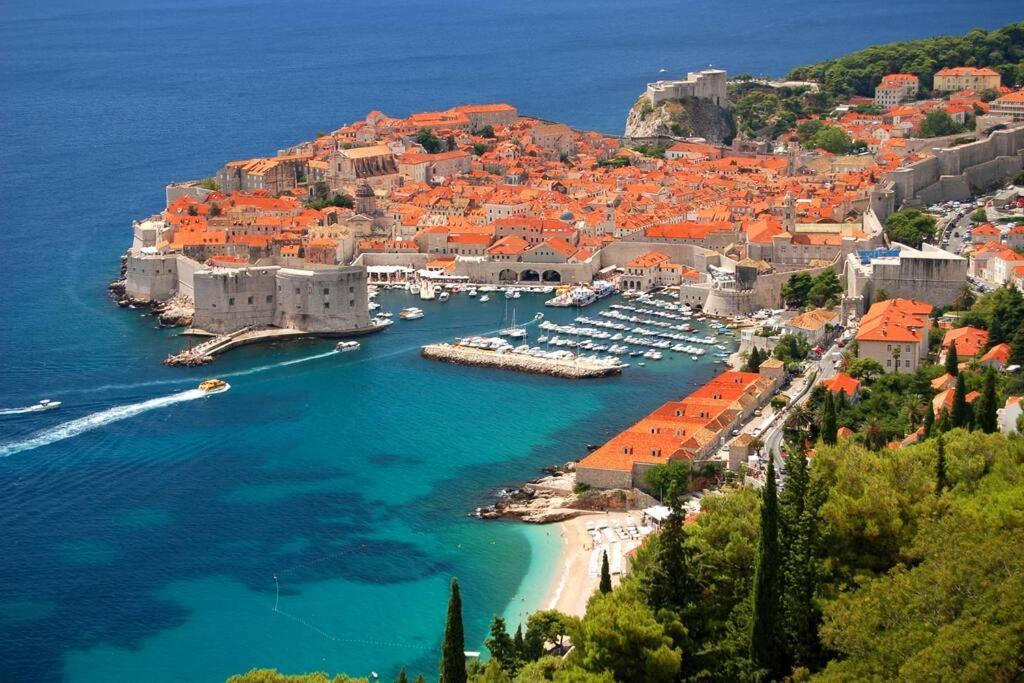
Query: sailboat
[[513, 331]]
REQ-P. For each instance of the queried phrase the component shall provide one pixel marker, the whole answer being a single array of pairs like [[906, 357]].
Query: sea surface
[[311, 517]]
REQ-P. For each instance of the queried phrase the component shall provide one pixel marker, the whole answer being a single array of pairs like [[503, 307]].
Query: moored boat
[[411, 313]]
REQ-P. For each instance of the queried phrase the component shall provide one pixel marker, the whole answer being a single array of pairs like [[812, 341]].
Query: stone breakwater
[[569, 368]]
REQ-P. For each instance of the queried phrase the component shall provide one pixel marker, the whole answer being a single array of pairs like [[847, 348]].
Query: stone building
[[895, 333], [929, 274], [708, 84], [951, 79]]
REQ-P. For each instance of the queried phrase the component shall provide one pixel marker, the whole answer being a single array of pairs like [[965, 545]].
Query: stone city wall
[[230, 299]]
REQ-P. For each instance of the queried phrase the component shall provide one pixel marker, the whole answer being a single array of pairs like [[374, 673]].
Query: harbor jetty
[[572, 368]]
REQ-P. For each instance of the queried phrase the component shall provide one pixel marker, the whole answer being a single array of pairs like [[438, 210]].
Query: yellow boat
[[213, 386]]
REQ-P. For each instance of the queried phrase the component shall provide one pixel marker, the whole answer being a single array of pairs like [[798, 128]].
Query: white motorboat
[[46, 404], [382, 322], [411, 313], [346, 346], [485, 297], [472, 291], [443, 296]]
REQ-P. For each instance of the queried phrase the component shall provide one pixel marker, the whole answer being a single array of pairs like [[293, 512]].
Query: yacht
[[381, 321], [346, 346], [443, 296], [46, 404], [411, 313]]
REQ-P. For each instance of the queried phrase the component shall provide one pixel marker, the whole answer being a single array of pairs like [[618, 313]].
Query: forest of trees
[[858, 73]]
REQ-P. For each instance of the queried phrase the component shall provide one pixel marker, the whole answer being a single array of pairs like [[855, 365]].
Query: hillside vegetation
[[858, 73]]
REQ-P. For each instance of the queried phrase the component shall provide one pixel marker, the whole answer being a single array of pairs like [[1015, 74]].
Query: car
[[735, 432], [757, 413]]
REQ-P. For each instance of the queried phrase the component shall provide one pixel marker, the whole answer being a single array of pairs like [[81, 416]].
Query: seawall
[[571, 369]]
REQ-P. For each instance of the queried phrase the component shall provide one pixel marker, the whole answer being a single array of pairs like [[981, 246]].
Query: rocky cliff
[[689, 117]]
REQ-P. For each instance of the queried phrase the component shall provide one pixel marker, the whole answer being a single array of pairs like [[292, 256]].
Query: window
[[270, 298], [231, 301], [297, 291], [888, 362], [906, 363], [327, 304], [351, 302], [250, 299], [326, 291]]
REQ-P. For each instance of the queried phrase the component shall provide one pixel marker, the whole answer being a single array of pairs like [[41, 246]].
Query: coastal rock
[[175, 312], [689, 117]]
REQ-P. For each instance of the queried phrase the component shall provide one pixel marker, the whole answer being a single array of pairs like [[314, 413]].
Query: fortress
[[708, 84]]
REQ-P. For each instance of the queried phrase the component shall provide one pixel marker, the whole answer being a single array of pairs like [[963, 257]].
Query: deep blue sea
[[149, 536]]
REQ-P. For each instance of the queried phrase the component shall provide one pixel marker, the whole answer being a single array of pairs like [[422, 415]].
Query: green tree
[[755, 110], [986, 405], [1017, 347], [960, 414], [548, 626], [402, 677], [829, 426], [910, 227], [453, 646], [672, 476], [832, 139], [941, 482], [865, 369], [979, 215], [765, 645], [806, 130], [753, 360], [929, 420], [938, 123], [487, 131], [606, 575], [479, 149], [430, 142], [215, 209], [825, 289], [952, 361], [796, 289], [502, 647], [620, 634], [798, 538]]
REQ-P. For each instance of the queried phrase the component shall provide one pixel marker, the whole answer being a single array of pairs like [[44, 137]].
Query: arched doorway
[[551, 276], [529, 275], [508, 275]]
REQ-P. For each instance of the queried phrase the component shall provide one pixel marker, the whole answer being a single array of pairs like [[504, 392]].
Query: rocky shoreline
[[174, 312], [556, 498]]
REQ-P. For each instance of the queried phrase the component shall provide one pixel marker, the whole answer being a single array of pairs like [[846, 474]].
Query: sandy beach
[[573, 583]]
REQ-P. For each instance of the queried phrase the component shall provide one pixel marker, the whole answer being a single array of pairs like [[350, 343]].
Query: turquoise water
[[141, 541]]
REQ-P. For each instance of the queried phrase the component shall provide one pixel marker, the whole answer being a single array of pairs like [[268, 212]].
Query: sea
[[312, 517]]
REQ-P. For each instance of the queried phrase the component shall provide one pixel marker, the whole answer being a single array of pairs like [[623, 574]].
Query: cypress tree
[[402, 678], [996, 330], [941, 483], [421, 679], [985, 407], [943, 423], [798, 548], [520, 644], [828, 420], [669, 583], [952, 362], [606, 576], [754, 361], [929, 419], [1017, 347], [960, 415], [765, 650], [453, 648]]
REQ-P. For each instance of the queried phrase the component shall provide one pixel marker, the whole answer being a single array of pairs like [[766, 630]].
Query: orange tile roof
[[842, 383], [969, 341]]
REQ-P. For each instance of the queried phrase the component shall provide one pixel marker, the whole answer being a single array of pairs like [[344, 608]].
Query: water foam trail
[[19, 411], [81, 425]]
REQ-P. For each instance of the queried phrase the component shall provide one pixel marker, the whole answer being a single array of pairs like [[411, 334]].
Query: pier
[[205, 352], [575, 368]]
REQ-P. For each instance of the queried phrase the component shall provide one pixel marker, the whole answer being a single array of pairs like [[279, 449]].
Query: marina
[[484, 353]]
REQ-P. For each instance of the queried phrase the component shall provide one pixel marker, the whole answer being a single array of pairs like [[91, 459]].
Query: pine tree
[[754, 360], [941, 483], [765, 645], [453, 647], [943, 424], [421, 679], [502, 647], [996, 330], [952, 362], [828, 420], [929, 420], [606, 576], [670, 582], [402, 678], [985, 407], [960, 415]]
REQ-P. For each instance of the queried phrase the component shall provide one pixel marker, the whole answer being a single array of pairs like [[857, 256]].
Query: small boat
[[46, 404], [485, 297], [382, 322], [213, 386], [346, 346], [472, 291], [509, 293], [411, 313], [443, 296]]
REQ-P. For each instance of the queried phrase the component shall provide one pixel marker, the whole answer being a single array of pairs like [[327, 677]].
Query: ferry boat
[[213, 386], [346, 346], [411, 313]]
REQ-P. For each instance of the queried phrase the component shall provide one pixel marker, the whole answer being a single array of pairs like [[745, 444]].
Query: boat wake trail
[[19, 411], [264, 368], [81, 425]]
